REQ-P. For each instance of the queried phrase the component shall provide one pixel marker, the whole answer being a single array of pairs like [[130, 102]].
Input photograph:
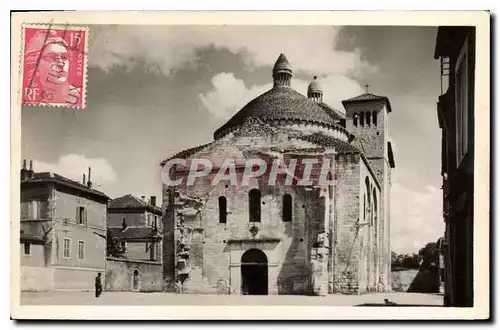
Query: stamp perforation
[[21, 63]]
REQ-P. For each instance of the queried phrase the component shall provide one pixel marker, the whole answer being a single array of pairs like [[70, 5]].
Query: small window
[[222, 209], [355, 119], [81, 215], [81, 250], [153, 251], [362, 119], [374, 117], [287, 208], [67, 248], [155, 224], [254, 205], [27, 249], [368, 115]]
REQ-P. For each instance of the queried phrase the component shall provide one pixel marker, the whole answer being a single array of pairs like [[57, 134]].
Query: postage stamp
[[54, 64]]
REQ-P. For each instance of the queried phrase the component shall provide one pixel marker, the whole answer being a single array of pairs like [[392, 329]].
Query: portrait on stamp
[[54, 66]]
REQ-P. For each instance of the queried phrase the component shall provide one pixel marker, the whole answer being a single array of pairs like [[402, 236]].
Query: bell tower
[[367, 118]]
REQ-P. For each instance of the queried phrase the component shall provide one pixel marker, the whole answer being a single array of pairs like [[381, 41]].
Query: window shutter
[[85, 216], [77, 214]]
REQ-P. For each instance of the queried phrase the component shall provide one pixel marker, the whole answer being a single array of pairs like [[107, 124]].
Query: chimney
[[31, 172], [83, 182], [89, 183], [153, 200], [24, 171], [143, 198]]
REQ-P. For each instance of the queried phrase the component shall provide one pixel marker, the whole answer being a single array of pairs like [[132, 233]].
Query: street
[[171, 299]]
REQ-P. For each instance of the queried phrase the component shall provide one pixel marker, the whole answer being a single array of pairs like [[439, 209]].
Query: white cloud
[[163, 49], [416, 217], [229, 94], [73, 167]]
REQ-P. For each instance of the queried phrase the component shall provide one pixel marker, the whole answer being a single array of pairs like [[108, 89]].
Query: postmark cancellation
[[54, 65]]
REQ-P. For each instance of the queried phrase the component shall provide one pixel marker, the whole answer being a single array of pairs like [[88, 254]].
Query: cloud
[[416, 217], [229, 94], [73, 166], [163, 49]]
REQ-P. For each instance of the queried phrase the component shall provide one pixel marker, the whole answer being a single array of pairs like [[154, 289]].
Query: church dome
[[279, 103], [314, 87]]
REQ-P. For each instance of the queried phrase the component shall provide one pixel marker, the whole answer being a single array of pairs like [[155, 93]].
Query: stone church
[[259, 238]]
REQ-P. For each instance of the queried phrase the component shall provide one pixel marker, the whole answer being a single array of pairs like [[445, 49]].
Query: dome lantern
[[282, 72], [314, 91]]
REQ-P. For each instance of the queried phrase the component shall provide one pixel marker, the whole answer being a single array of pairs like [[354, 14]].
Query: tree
[[429, 254], [114, 245]]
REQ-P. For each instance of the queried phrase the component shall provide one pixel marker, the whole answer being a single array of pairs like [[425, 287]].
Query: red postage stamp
[[54, 64]]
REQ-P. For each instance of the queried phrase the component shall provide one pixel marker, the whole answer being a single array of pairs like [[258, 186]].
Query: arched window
[[287, 208], [364, 208], [368, 115], [254, 205], [222, 209], [368, 200], [355, 119], [362, 119], [375, 118]]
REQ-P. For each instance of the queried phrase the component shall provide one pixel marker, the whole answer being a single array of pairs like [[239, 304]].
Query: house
[[63, 230], [136, 226], [455, 48]]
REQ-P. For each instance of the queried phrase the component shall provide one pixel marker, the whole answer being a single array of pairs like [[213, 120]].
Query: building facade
[[455, 48], [287, 235], [63, 230], [136, 224]]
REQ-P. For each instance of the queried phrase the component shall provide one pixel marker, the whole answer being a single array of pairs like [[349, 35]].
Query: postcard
[[256, 165]]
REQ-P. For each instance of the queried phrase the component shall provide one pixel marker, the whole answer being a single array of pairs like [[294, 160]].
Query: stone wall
[[373, 140], [35, 278], [120, 275], [318, 252]]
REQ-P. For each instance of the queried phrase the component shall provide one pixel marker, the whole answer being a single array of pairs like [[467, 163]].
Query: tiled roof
[[133, 233], [186, 152], [131, 202], [366, 97], [282, 64], [49, 177], [280, 103], [332, 112], [29, 238], [369, 97], [328, 141]]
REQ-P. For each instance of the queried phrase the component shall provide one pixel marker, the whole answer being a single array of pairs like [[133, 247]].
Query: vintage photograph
[[248, 164]]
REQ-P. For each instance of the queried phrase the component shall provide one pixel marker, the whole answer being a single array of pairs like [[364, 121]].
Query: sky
[[155, 90]]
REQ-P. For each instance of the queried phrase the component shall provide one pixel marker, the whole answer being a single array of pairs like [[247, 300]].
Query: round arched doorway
[[135, 280], [254, 279]]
